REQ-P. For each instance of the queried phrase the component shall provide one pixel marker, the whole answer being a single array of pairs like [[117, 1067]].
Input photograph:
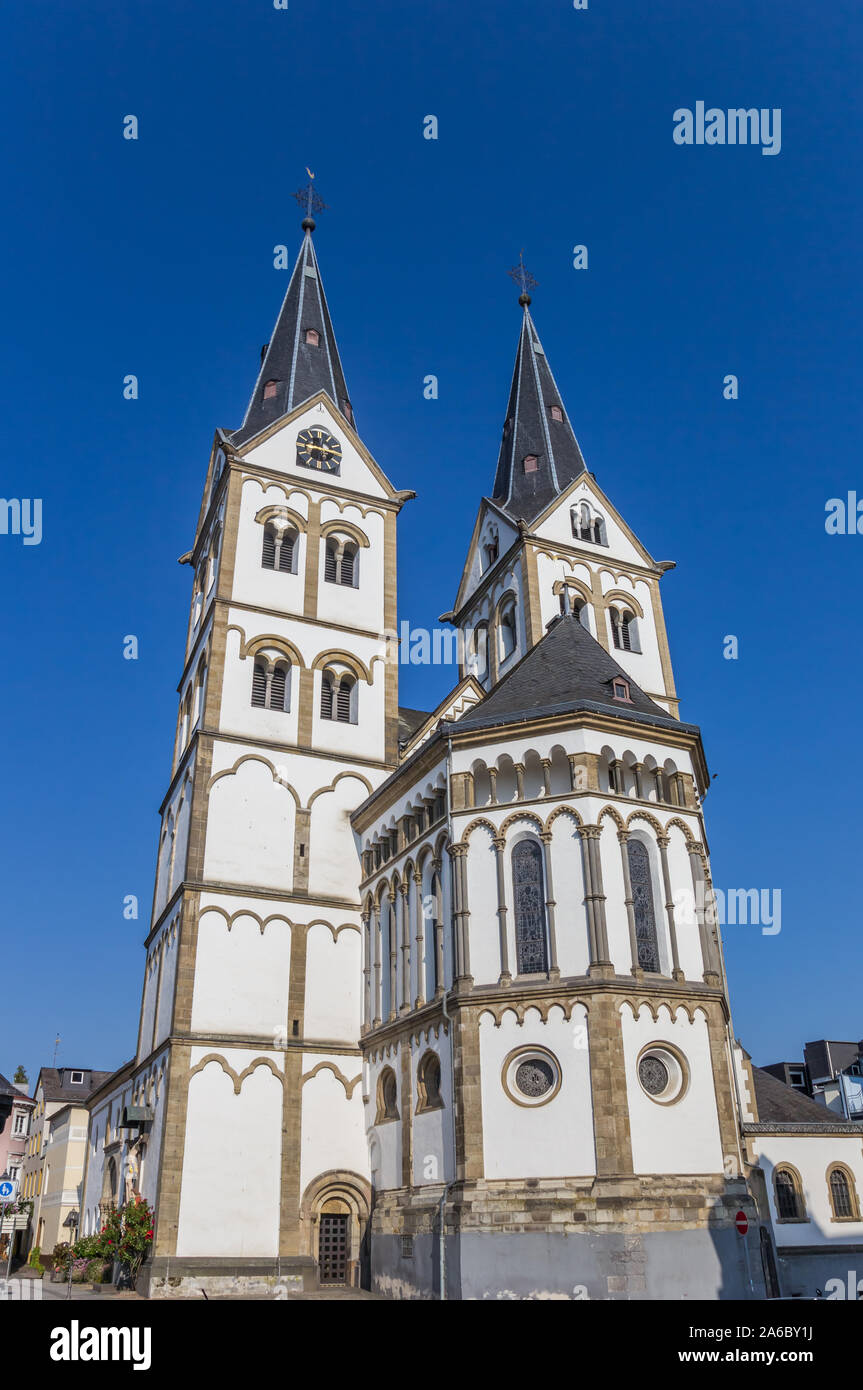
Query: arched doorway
[[334, 1216]]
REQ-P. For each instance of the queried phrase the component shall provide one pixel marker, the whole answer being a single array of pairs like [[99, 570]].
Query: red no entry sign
[[741, 1221]]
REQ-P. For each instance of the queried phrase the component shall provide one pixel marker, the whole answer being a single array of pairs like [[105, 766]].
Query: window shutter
[[343, 709], [330, 563], [632, 636], [615, 629], [327, 697], [259, 685], [268, 559], [347, 575], [277, 689], [627, 641], [286, 558]]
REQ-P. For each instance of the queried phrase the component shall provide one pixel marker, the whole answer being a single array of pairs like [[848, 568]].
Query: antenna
[[56, 1046]]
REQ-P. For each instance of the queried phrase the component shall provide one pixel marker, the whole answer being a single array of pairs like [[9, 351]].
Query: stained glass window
[[642, 900], [529, 908]]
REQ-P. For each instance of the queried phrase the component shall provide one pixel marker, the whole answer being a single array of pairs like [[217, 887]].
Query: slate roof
[[56, 1085], [7, 1089], [530, 429], [566, 669], [410, 720], [781, 1104], [300, 369]]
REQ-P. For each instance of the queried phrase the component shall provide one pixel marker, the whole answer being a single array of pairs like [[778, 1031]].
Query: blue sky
[[155, 257]]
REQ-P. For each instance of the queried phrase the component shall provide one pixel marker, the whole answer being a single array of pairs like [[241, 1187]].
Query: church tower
[[550, 1093], [248, 1060]]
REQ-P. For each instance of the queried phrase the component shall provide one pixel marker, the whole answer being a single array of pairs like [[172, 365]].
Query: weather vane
[[311, 201], [523, 278]]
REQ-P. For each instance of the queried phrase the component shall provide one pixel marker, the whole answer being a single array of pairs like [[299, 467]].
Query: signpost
[[741, 1221], [8, 1194]]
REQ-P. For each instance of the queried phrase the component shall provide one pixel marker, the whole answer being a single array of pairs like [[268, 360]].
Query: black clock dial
[[317, 448]]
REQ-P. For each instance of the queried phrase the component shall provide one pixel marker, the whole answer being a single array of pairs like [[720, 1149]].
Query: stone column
[[676, 972], [438, 930], [492, 777], [367, 970], [418, 927], [546, 775], [391, 918], [404, 915], [629, 901], [600, 963], [519, 781], [587, 871], [553, 968], [505, 975], [458, 856], [376, 932], [705, 915]]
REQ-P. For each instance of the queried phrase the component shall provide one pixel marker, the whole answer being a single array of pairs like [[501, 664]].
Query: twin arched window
[[271, 685], [841, 1189], [624, 630], [341, 562], [507, 631], [339, 698], [279, 548], [586, 526], [529, 902]]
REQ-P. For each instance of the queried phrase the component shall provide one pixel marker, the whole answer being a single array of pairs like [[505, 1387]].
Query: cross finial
[[522, 277], [311, 201]]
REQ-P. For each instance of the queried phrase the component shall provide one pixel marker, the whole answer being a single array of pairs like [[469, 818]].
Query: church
[[422, 1010]]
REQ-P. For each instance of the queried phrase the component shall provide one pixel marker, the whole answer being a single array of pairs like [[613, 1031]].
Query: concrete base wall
[[693, 1264], [219, 1278], [837, 1272]]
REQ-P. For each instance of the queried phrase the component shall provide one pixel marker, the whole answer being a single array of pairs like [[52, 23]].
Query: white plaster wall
[[148, 1009], [333, 983], [237, 714], [278, 454], [229, 1198], [365, 738], [250, 827], [557, 526], [252, 583], [570, 914], [333, 1131], [682, 1137], [482, 900], [166, 989], [242, 973], [536, 1141], [685, 918], [363, 606], [334, 863], [812, 1155]]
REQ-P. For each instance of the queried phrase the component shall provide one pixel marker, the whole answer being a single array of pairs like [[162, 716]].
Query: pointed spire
[[539, 454], [302, 357]]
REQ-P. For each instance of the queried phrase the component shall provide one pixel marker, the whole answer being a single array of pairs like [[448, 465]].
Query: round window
[[662, 1073], [531, 1076]]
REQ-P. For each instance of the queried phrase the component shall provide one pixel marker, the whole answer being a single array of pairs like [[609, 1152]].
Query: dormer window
[[555, 412], [531, 463], [620, 688], [313, 337], [76, 1078], [270, 390]]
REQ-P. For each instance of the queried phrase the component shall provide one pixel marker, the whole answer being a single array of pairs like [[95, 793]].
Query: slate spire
[[539, 454], [301, 357]]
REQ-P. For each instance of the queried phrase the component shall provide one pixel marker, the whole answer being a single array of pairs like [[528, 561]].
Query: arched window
[[789, 1198], [529, 902], [577, 605], [642, 903], [341, 563], [478, 661], [843, 1194], [507, 631], [279, 549], [624, 630], [428, 1083], [339, 698], [271, 685], [388, 1092]]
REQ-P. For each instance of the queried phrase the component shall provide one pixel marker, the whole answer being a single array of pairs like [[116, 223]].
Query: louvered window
[[268, 557], [278, 689], [327, 697], [330, 563], [343, 701], [347, 574], [623, 630], [286, 553], [259, 685]]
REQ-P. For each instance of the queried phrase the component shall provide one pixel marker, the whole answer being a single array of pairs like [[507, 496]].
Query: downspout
[[449, 1022]]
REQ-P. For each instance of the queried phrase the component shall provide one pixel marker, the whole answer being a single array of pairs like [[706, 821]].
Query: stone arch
[[346, 528], [237, 1078], [522, 816], [334, 657], [272, 512], [271, 641], [343, 1193], [257, 758], [338, 777], [469, 829], [348, 1083]]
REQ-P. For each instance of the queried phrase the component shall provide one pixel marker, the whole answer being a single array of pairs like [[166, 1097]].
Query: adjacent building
[[53, 1164]]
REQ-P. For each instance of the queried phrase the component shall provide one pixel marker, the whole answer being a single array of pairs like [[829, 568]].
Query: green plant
[[34, 1260], [62, 1257], [20, 1078], [129, 1233], [97, 1270]]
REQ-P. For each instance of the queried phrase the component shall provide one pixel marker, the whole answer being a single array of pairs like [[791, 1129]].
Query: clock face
[[317, 448]]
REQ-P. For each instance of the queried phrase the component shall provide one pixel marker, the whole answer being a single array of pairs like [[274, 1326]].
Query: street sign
[[9, 1224], [741, 1221], [8, 1190]]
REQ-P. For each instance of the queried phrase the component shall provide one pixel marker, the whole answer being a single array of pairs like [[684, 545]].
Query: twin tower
[[432, 1002]]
